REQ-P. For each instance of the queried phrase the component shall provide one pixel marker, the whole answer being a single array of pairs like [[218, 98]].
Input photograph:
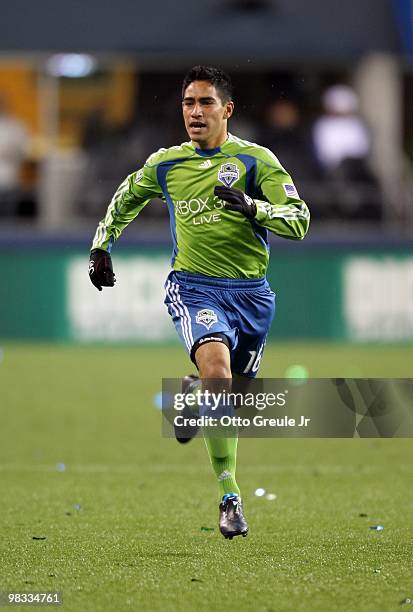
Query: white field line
[[93, 468]]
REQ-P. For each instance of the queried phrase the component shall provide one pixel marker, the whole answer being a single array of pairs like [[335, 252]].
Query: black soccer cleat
[[185, 434], [231, 518]]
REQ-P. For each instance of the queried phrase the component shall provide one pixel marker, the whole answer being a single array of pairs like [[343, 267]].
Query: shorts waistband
[[223, 283]]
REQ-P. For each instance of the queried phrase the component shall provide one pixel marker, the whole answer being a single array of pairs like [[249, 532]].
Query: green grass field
[[82, 463]]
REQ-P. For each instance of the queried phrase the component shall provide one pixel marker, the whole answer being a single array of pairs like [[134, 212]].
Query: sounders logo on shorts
[[206, 317], [228, 174]]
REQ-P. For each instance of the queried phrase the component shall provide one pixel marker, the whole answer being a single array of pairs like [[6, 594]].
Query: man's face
[[205, 115]]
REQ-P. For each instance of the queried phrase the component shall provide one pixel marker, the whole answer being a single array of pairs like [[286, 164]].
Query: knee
[[215, 368], [213, 360]]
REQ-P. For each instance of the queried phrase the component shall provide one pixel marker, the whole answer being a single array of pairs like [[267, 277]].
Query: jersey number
[[255, 360]]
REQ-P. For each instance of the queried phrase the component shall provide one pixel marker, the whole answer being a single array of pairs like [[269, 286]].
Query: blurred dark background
[[89, 90]]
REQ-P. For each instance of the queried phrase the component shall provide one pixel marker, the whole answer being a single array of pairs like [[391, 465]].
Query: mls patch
[[206, 317], [228, 174], [290, 190], [139, 176]]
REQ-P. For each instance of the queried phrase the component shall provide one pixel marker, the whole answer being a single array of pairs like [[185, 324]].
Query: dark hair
[[218, 78]]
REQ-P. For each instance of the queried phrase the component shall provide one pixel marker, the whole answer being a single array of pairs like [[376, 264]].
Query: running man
[[223, 194]]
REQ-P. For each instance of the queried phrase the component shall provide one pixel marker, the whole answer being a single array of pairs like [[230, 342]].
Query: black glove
[[100, 269], [235, 199]]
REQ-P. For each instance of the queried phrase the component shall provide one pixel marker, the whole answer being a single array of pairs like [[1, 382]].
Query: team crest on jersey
[[228, 174], [206, 317]]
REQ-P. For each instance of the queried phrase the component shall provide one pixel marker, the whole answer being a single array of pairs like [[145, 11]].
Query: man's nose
[[196, 111]]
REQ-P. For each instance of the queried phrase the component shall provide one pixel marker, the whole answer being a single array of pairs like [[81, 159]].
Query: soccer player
[[223, 194]]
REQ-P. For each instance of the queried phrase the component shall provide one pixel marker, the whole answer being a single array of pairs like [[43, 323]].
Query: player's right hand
[[100, 269]]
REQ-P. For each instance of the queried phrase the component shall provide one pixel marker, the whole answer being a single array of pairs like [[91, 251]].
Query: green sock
[[223, 455]]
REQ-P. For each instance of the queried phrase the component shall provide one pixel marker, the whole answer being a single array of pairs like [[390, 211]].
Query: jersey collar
[[208, 152], [214, 151]]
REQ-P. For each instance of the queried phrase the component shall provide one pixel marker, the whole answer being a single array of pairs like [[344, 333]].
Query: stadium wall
[[332, 294]]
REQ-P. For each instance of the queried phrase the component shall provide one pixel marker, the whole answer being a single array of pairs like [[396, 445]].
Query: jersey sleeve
[[279, 207], [131, 196]]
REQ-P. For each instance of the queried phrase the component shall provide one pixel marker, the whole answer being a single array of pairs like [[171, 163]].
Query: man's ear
[[229, 109]]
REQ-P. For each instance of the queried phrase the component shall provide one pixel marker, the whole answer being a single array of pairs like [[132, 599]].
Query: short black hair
[[217, 77]]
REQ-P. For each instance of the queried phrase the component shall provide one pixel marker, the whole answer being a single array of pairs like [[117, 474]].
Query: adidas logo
[[224, 475], [206, 164]]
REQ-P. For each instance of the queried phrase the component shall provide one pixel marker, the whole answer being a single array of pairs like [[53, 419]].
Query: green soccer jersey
[[207, 238]]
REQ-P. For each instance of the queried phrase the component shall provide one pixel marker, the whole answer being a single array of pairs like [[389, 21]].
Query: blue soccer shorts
[[240, 309]]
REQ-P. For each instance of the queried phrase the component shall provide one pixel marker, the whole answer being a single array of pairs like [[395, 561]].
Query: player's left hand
[[235, 199]]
